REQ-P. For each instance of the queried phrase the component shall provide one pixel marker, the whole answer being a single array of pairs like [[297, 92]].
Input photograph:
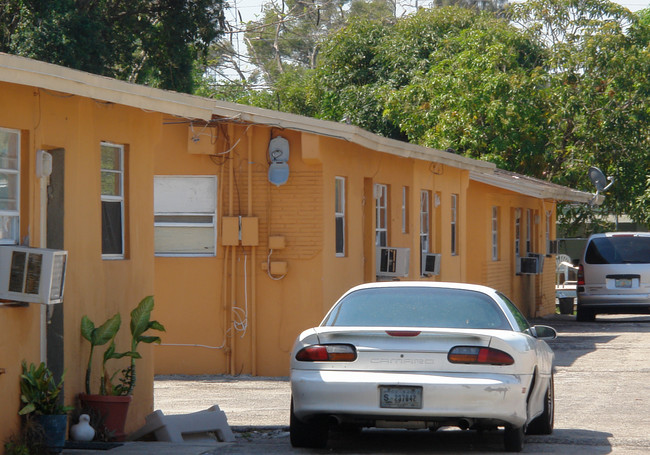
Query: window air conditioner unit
[[35, 275], [540, 261], [392, 261], [430, 264], [526, 266]]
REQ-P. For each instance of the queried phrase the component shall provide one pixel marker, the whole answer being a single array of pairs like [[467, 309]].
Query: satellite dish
[[599, 180]]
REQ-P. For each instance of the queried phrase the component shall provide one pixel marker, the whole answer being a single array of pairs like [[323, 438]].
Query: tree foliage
[[546, 88], [596, 67], [154, 42], [482, 95]]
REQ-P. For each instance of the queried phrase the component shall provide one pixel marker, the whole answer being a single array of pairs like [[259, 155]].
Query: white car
[[422, 355]]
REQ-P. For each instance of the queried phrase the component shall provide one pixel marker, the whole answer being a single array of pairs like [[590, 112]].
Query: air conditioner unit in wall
[[35, 275], [526, 266], [430, 264], [392, 261], [540, 261]]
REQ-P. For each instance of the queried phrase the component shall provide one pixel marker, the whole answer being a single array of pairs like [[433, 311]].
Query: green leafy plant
[[40, 392], [98, 336], [105, 333], [28, 441], [17, 448]]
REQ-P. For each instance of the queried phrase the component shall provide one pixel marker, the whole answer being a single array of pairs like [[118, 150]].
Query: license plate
[[400, 397], [623, 283]]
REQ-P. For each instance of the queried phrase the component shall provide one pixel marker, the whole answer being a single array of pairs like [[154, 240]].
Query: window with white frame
[[425, 221], [381, 215], [185, 212], [529, 228], [495, 233], [339, 214], [454, 224], [112, 198], [517, 233], [9, 186]]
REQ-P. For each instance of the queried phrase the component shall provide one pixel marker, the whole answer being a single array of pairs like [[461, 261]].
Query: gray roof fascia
[[536, 188], [345, 132], [480, 171], [25, 71]]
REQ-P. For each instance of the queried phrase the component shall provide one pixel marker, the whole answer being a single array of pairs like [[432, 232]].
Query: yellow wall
[[501, 274], [94, 287], [196, 294]]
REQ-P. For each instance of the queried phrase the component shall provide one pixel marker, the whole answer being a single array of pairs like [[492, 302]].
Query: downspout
[[224, 288], [43, 181], [541, 238], [253, 257], [224, 301], [231, 177], [233, 293]]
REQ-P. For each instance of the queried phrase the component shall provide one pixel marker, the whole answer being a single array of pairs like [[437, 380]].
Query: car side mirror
[[544, 332]]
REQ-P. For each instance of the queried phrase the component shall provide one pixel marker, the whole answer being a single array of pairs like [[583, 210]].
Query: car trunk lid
[[401, 349]]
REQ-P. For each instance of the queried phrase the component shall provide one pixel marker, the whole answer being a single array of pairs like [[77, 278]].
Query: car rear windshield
[[618, 250], [418, 307]]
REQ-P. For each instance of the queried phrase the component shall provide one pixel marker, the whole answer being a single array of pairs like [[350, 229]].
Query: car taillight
[[327, 353], [479, 355], [581, 275]]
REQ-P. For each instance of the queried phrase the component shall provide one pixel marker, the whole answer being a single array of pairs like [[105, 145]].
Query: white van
[[614, 275]]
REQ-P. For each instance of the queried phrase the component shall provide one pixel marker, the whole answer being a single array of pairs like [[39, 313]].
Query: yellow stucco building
[[245, 224]]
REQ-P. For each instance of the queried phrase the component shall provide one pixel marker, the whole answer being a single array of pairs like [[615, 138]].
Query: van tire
[[583, 315]]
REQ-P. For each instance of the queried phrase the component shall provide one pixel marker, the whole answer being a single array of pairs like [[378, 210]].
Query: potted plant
[[40, 394], [112, 401]]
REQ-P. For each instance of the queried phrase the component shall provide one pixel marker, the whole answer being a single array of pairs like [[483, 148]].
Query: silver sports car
[[422, 355]]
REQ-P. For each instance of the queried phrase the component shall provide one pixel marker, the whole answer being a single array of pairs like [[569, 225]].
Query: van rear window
[[618, 250]]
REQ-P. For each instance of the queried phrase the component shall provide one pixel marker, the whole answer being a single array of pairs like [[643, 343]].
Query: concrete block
[[185, 427]]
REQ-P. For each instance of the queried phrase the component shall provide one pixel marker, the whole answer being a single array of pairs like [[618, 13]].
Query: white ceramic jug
[[82, 431]]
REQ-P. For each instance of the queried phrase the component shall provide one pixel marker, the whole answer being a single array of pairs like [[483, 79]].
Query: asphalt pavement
[[601, 387]]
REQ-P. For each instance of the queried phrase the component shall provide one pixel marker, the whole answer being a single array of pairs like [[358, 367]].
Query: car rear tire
[[513, 439], [311, 434], [584, 315], [543, 423]]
